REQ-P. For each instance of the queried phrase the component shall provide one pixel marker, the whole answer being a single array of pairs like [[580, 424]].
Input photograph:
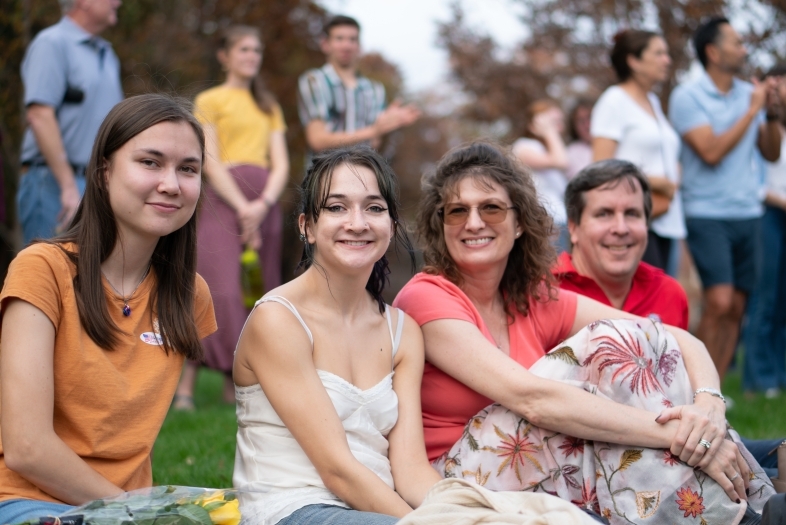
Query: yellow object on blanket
[[459, 502]]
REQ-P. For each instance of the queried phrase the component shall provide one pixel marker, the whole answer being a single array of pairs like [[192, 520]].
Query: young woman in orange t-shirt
[[96, 323]]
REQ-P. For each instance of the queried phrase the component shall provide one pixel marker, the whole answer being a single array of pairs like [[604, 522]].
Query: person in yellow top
[[247, 167]]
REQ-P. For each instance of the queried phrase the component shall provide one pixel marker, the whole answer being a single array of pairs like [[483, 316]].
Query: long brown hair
[[94, 232], [229, 37], [528, 271]]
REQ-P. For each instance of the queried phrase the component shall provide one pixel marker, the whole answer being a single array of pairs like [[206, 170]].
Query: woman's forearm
[[363, 490], [48, 463], [575, 412], [221, 180], [279, 168], [276, 184]]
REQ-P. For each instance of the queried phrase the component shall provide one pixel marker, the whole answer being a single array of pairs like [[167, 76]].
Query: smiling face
[[354, 227], [655, 62], [243, 59], [154, 180], [478, 245], [342, 46], [610, 240]]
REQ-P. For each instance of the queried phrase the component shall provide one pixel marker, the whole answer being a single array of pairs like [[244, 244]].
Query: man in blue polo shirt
[[72, 79], [722, 123]]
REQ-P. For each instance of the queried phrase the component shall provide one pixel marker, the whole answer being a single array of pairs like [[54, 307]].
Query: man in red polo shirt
[[609, 205], [608, 212]]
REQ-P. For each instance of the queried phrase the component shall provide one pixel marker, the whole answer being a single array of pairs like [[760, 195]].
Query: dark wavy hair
[[94, 232], [709, 32], [628, 42], [528, 271], [314, 191]]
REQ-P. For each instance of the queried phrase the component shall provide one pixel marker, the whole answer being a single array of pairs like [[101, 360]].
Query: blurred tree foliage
[[566, 52], [170, 47]]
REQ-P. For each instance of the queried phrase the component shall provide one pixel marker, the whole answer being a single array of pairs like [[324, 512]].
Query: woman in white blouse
[[628, 123]]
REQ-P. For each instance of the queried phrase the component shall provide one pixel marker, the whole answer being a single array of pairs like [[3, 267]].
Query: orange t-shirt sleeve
[[36, 277], [204, 315], [430, 298]]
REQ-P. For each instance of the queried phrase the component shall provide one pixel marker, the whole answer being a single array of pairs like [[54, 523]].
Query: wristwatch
[[710, 391]]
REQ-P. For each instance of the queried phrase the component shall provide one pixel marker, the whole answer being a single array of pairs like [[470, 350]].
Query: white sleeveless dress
[[269, 461]]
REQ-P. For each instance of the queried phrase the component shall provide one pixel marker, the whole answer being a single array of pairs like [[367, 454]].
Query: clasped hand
[[705, 421], [249, 219]]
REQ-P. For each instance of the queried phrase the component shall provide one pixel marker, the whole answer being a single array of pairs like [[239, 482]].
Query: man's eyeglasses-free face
[[490, 212]]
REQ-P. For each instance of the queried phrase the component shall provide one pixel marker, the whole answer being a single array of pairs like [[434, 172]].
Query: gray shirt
[[77, 74]]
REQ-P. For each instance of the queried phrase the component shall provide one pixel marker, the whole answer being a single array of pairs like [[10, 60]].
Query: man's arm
[[43, 123], [392, 118], [713, 148]]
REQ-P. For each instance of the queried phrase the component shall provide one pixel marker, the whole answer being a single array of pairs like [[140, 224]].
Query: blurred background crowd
[[538, 96]]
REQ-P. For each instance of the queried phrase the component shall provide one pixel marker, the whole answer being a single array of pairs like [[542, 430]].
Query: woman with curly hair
[[489, 312]]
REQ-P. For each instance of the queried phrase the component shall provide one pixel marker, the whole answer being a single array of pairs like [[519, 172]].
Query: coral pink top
[[447, 404]]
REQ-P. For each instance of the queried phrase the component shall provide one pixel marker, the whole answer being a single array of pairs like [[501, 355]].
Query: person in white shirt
[[628, 124], [543, 151]]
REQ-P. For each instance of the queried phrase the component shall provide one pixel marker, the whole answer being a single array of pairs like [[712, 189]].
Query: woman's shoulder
[[427, 297], [527, 143], [216, 92], [56, 256], [613, 95], [424, 283]]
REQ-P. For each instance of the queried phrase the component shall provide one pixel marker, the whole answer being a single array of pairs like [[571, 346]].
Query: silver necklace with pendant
[[127, 309]]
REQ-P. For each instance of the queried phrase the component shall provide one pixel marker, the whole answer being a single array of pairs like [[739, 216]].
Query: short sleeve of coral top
[[447, 404], [108, 405]]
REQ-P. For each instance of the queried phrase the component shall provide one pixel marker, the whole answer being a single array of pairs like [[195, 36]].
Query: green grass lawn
[[198, 449]]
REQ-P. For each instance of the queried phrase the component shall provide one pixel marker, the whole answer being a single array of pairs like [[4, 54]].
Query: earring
[[517, 234], [302, 237]]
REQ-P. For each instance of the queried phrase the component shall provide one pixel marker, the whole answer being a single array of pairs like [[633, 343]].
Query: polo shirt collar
[[79, 35], [709, 86], [565, 268]]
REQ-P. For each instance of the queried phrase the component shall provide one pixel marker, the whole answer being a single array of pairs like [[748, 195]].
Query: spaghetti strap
[[399, 331], [291, 307], [390, 327]]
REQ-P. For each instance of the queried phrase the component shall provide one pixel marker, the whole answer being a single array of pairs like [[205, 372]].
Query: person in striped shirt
[[340, 107]]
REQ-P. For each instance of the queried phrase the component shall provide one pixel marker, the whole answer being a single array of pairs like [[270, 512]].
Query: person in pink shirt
[[490, 310]]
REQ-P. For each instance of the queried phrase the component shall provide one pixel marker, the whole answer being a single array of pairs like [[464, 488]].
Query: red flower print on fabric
[[690, 502]]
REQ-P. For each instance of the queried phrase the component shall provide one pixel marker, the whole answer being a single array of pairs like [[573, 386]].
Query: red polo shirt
[[652, 291]]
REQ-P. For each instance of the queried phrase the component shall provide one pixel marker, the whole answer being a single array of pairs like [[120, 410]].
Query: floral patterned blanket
[[631, 363]]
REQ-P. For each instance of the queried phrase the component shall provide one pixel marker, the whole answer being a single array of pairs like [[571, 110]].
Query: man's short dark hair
[[340, 20], [707, 34], [596, 175]]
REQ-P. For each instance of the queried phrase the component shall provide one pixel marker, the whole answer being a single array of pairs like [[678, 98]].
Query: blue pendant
[[126, 310]]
